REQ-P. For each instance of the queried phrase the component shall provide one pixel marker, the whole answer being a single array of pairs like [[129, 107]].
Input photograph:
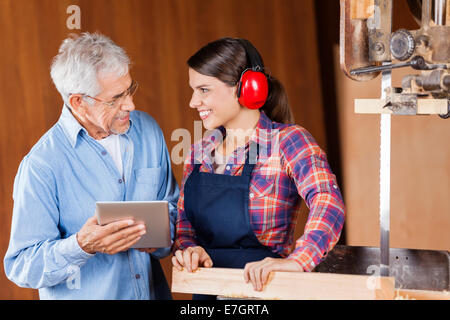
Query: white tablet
[[154, 214]]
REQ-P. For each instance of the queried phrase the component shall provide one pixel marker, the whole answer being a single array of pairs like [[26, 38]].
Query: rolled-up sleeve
[[307, 165], [37, 257]]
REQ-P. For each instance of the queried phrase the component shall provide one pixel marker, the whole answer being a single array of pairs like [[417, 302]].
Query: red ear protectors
[[253, 88]]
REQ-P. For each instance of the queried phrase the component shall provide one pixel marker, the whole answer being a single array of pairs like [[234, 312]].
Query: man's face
[[103, 118]]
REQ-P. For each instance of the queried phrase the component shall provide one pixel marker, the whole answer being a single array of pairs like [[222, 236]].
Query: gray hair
[[82, 60]]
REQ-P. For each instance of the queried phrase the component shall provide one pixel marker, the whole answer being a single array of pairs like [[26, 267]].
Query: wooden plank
[[361, 9], [424, 106], [447, 19], [371, 106], [284, 285], [432, 106], [406, 294]]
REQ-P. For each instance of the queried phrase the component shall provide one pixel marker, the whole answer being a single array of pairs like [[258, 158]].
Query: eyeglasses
[[116, 101]]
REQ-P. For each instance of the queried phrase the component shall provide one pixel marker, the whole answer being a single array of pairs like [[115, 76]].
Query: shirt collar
[[263, 130], [72, 127], [262, 136]]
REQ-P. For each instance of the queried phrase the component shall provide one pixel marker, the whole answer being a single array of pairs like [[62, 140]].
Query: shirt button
[[120, 181], [335, 186], [252, 195], [104, 153], [227, 167], [137, 276]]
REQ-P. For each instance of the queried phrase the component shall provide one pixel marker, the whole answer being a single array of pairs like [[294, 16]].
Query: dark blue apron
[[217, 207], [160, 285]]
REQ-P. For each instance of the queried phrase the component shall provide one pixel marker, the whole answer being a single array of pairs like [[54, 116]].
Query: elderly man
[[100, 149]]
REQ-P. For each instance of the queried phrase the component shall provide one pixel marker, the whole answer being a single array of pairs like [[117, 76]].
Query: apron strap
[[249, 165], [250, 154], [160, 285], [197, 167]]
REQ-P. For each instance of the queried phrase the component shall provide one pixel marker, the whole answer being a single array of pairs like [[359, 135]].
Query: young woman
[[243, 183]]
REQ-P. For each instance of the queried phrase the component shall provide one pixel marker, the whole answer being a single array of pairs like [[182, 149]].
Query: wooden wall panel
[[159, 36]]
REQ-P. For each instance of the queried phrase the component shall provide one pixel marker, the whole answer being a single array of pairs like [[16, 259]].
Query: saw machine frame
[[368, 47]]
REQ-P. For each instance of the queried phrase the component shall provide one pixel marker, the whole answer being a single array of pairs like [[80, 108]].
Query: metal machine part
[[380, 26], [436, 82], [425, 49], [415, 6], [385, 178], [412, 268], [417, 63], [440, 8], [402, 44]]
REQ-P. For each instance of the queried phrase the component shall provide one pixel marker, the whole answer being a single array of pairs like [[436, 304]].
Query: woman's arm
[[307, 166]]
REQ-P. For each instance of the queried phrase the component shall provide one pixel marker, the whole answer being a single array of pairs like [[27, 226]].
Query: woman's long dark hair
[[226, 59]]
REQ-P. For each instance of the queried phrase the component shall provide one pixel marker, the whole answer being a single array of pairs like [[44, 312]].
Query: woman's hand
[[191, 258], [258, 272]]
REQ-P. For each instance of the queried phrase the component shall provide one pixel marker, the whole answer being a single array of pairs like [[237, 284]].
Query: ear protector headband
[[253, 87]]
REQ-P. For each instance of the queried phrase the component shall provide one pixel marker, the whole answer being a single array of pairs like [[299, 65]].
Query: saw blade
[[385, 178]]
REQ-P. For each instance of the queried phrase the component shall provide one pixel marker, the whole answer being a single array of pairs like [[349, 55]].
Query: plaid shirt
[[290, 165]]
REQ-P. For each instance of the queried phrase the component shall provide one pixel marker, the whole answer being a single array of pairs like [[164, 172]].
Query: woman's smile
[[204, 114]]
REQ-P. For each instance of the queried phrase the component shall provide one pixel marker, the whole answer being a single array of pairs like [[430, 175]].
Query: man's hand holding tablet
[[111, 238]]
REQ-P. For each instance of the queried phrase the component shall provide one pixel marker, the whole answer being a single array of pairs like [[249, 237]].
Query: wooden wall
[[159, 35]]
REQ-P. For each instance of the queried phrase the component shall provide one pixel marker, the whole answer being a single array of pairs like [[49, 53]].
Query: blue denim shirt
[[55, 191]]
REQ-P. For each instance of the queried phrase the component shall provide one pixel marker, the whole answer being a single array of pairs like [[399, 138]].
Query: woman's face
[[215, 101]]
